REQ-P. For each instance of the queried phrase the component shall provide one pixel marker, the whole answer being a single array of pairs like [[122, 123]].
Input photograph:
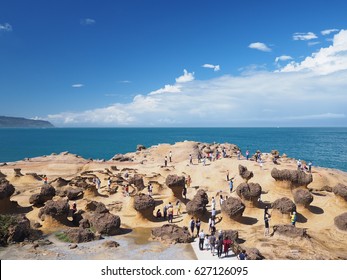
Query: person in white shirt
[[201, 240]]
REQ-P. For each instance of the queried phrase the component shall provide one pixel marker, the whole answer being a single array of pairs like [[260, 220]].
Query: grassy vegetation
[[5, 222], [62, 236]]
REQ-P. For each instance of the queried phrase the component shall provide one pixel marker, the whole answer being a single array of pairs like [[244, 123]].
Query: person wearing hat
[[293, 218]]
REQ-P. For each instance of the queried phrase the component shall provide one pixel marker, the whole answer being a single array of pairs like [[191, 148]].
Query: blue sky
[[174, 63]]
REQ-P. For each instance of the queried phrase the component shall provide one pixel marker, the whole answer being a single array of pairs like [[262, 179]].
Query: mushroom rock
[[17, 172], [292, 178], [249, 193], [290, 231], [172, 234], [137, 181], [281, 209], [74, 193], [86, 184], [47, 193], [340, 191], [144, 204], [6, 190], [245, 173], [197, 206], [341, 222], [303, 197], [59, 182], [233, 208], [140, 147], [58, 210], [176, 184]]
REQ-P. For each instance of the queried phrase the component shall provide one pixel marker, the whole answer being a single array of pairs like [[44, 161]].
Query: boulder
[[47, 193], [79, 235], [102, 220], [173, 234], [197, 206], [290, 231], [137, 181], [341, 221], [18, 229], [294, 178], [233, 234], [36, 200], [303, 197], [143, 202], [6, 189], [245, 173], [2, 175], [249, 192], [74, 193], [233, 208], [58, 210], [284, 205], [176, 184], [340, 190], [254, 254], [84, 223], [110, 244]]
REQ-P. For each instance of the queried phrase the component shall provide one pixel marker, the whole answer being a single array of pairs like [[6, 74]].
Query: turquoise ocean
[[326, 147]]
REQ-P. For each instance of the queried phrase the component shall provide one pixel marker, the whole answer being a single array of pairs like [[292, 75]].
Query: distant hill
[[12, 122]]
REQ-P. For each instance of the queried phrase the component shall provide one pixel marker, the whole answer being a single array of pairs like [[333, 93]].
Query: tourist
[[74, 208], [188, 181], [213, 214], [201, 240], [204, 161], [45, 180], [97, 182], [224, 153], [170, 156], [170, 213], [310, 167], [109, 184], [178, 206], [267, 227], [298, 163], [165, 212], [226, 244], [126, 174], [184, 192], [197, 225], [192, 225], [247, 155], [159, 216], [150, 189], [190, 159], [212, 241], [293, 218], [219, 247], [221, 200], [227, 175], [213, 203], [127, 190], [238, 154], [242, 255], [207, 242], [266, 211], [165, 161], [231, 185], [199, 157]]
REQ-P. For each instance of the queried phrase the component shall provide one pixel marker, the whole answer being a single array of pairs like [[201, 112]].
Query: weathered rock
[[17, 172], [284, 205], [102, 220], [140, 147], [47, 192], [6, 189], [74, 193], [36, 200], [341, 221], [59, 182], [254, 254], [143, 202], [249, 192], [34, 175], [327, 189], [121, 158], [295, 178], [172, 234], [84, 223], [197, 206], [340, 190], [18, 230], [137, 181], [290, 231], [233, 208], [110, 244], [233, 234], [245, 173], [176, 184], [80, 235], [59, 210], [2, 175], [303, 197]]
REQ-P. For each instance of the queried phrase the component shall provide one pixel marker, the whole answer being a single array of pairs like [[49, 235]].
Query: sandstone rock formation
[[249, 192], [6, 190], [47, 192], [293, 178], [233, 208], [17, 172], [137, 181], [176, 184], [341, 221], [303, 197], [245, 173], [172, 234], [58, 210], [79, 235], [197, 206], [14, 228], [341, 191], [284, 205], [290, 231]]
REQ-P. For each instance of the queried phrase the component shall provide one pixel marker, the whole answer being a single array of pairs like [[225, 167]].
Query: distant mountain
[[12, 122]]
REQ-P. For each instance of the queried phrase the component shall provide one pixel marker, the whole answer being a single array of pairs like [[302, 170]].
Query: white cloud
[[296, 95], [313, 43], [326, 60], [283, 58], [5, 27], [186, 77], [77, 85], [259, 46], [87, 21], [211, 66], [328, 31], [304, 36], [166, 89], [125, 82]]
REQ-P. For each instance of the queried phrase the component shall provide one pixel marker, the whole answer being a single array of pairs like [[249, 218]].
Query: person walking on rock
[[201, 240], [212, 240], [192, 225], [219, 247], [267, 226], [293, 218], [197, 225]]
